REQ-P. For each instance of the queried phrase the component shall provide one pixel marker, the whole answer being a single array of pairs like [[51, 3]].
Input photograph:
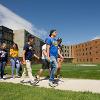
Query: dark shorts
[[45, 64]]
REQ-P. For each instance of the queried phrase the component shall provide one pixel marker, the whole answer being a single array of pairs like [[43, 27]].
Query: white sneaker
[[51, 83], [4, 77]]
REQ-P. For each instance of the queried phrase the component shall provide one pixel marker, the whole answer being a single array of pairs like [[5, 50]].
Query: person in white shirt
[[45, 63]]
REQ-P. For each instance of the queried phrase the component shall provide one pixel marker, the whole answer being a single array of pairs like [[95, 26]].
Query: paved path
[[67, 84]]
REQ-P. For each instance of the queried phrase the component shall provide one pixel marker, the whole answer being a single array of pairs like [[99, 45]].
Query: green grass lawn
[[71, 71], [75, 71], [9, 91]]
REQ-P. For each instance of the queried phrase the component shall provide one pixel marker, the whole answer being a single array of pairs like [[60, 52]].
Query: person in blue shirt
[[52, 54], [28, 53]]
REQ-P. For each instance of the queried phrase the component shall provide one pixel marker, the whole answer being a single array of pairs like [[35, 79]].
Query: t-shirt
[[43, 48], [59, 45], [29, 51], [53, 46], [3, 55], [13, 53]]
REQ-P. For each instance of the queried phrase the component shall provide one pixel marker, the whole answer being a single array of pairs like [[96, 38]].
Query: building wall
[[67, 53], [19, 38], [6, 35], [88, 52], [37, 47]]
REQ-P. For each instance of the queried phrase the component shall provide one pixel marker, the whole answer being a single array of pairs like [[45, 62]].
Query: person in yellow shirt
[[15, 63]]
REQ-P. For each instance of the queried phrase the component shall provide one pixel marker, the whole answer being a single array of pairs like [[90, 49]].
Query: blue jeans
[[53, 65], [2, 67], [15, 63]]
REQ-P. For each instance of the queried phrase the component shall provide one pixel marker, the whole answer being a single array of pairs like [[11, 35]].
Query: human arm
[[36, 56], [60, 54], [48, 52], [44, 52], [24, 51]]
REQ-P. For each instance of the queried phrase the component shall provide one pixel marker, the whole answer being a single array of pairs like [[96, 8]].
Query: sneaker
[[17, 76], [1, 79], [4, 77], [51, 83], [34, 82], [25, 81], [22, 81], [55, 82]]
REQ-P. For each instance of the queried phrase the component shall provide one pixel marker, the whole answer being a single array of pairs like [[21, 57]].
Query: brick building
[[87, 52]]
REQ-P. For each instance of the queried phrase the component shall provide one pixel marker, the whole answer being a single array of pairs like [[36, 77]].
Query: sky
[[76, 21]]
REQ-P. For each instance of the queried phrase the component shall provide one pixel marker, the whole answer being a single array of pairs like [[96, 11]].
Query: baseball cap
[[30, 36], [51, 31]]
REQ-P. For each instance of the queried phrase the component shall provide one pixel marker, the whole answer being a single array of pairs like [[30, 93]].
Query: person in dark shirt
[[3, 58], [28, 53]]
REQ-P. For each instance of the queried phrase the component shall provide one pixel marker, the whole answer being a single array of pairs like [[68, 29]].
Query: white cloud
[[97, 37], [15, 22]]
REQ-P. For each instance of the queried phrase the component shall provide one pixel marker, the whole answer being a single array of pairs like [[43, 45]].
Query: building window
[[90, 48], [91, 60], [87, 60], [67, 47], [96, 52]]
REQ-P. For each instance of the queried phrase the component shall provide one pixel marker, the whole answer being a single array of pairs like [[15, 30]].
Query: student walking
[[45, 63], [3, 58], [28, 53], [15, 62], [52, 54], [60, 58]]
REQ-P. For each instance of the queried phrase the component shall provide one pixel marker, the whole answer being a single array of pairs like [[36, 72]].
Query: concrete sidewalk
[[66, 84]]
